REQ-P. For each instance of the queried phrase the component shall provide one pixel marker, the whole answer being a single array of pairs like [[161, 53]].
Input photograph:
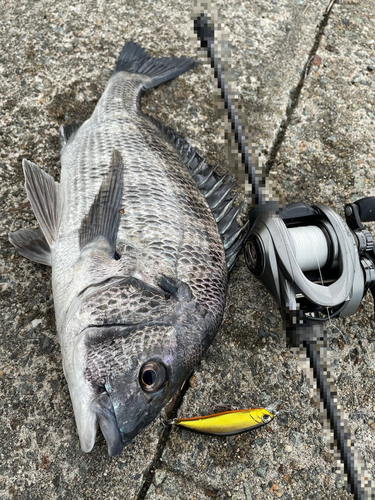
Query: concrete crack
[[295, 94], [149, 475]]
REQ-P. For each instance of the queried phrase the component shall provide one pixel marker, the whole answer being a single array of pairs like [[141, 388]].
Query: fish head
[[155, 371], [133, 369]]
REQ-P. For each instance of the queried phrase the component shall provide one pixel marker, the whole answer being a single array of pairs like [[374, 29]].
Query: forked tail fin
[[135, 59]]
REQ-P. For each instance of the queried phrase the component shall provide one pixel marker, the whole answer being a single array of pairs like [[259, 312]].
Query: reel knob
[[365, 241]]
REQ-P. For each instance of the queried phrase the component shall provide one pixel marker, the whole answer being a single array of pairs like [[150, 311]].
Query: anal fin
[[32, 244]]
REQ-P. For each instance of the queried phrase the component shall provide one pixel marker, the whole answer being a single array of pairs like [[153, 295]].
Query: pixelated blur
[[348, 461], [243, 154], [280, 256]]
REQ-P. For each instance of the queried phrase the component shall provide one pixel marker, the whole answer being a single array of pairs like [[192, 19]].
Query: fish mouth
[[106, 418], [119, 433], [104, 411]]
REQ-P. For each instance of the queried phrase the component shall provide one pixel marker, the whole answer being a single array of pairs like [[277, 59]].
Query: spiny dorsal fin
[[104, 216], [46, 199], [215, 189], [32, 244], [68, 132]]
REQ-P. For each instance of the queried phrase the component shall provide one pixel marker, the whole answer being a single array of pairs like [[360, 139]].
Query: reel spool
[[310, 247]]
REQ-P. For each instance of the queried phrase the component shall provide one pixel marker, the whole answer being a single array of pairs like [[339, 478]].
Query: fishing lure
[[228, 423]]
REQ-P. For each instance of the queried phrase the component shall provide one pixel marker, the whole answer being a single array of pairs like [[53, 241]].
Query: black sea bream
[[140, 234]]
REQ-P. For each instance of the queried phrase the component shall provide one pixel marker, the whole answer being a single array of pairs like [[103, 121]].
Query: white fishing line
[[310, 245]]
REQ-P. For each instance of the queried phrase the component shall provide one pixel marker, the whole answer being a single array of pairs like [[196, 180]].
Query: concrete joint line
[[149, 475], [295, 94]]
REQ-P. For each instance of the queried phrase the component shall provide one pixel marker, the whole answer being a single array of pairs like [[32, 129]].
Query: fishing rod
[[205, 33], [316, 265]]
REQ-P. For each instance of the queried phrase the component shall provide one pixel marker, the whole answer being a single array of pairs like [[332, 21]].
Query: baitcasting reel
[[314, 264]]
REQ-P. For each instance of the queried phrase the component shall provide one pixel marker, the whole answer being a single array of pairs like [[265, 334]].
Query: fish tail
[[135, 59]]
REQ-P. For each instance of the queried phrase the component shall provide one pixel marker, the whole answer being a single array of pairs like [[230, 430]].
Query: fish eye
[[152, 376]]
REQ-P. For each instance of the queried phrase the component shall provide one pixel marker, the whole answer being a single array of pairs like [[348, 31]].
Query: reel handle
[[362, 210], [366, 208]]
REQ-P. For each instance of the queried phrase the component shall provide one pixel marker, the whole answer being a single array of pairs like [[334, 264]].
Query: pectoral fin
[[32, 245], [46, 199], [103, 218]]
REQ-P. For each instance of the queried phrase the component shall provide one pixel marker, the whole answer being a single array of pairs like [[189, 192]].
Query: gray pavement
[[315, 128]]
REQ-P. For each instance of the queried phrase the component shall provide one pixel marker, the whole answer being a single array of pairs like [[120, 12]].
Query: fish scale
[[139, 265]]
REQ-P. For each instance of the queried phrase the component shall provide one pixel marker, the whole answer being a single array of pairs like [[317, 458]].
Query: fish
[[228, 423], [140, 233]]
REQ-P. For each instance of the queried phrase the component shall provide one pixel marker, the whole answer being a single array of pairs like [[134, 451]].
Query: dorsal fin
[[46, 200], [104, 216], [215, 189], [32, 244]]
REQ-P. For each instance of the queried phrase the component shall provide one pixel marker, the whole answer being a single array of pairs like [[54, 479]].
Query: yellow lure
[[227, 423]]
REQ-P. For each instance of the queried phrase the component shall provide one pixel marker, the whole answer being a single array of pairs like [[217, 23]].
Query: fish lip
[[106, 418]]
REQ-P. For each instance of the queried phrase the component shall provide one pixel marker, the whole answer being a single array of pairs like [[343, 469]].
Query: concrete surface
[[315, 128]]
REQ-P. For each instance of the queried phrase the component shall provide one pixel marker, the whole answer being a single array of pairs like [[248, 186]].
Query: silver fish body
[[139, 267]]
